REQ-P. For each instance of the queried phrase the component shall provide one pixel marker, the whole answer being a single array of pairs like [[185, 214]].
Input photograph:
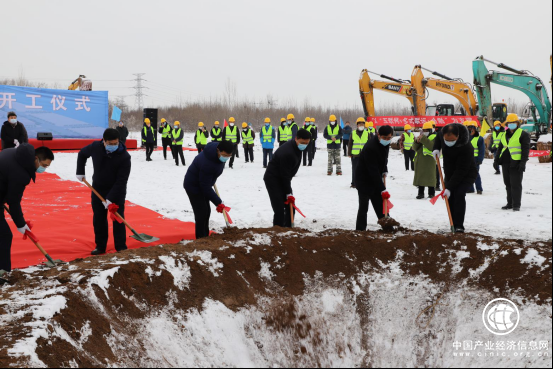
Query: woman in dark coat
[[459, 167]]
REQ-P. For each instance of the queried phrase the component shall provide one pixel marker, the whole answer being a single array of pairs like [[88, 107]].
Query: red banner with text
[[539, 153], [418, 122]]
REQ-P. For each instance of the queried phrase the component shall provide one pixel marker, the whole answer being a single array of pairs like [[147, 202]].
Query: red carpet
[[62, 218], [73, 144]]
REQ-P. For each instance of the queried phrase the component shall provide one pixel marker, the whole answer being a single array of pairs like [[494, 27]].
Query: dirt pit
[[275, 297]]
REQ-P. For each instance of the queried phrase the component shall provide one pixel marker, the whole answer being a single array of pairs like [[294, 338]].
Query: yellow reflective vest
[[514, 146]]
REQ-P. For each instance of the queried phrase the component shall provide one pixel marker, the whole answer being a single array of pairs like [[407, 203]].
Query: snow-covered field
[[328, 202]]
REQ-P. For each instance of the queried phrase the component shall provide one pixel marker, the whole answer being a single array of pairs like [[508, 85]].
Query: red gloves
[[112, 209], [291, 200], [222, 207], [29, 234], [386, 195]]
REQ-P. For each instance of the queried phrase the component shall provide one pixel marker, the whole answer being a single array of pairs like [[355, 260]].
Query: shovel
[[446, 199], [51, 262], [137, 236], [224, 211]]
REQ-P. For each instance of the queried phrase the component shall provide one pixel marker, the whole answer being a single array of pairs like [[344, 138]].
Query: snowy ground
[[328, 202]]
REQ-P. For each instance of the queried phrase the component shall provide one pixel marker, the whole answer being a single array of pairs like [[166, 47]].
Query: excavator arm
[[368, 85], [460, 90], [81, 83], [531, 86]]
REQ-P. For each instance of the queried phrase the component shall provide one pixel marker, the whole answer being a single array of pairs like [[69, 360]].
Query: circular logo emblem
[[501, 317]]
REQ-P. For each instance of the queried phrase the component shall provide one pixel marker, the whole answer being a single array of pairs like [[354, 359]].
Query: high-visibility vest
[[247, 137], [201, 138], [359, 142], [409, 141], [230, 135], [514, 145], [310, 129], [166, 131], [285, 133], [475, 144], [146, 133], [425, 150], [497, 136], [333, 133], [291, 126], [176, 133], [371, 131], [216, 132], [267, 135]]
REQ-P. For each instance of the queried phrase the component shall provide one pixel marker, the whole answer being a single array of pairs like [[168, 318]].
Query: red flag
[[436, 198], [226, 124]]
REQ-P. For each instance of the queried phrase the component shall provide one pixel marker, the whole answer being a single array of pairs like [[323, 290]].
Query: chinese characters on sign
[[58, 102]]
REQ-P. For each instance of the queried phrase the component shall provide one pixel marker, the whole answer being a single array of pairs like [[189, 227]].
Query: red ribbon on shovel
[[29, 234], [226, 210], [295, 207], [112, 208], [436, 198]]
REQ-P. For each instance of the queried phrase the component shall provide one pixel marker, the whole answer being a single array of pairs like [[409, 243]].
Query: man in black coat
[[149, 138], [123, 132], [13, 132], [513, 158], [200, 178], [372, 169], [112, 167], [17, 168], [460, 169], [279, 174]]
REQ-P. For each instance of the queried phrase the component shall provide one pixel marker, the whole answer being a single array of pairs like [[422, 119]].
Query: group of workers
[[460, 145]]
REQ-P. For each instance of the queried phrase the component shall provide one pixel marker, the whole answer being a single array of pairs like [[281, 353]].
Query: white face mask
[[13, 121], [360, 129], [426, 134], [231, 124]]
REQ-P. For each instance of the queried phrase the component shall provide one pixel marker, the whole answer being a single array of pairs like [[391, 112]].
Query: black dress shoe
[[420, 197], [459, 230], [507, 207], [480, 193], [97, 252], [497, 173], [121, 250], [516, 209]]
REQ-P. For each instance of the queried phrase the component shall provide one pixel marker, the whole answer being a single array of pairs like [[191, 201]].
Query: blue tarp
[[116, 114], [65, 113]]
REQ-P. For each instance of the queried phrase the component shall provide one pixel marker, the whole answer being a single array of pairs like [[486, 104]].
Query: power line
[[139, 96]]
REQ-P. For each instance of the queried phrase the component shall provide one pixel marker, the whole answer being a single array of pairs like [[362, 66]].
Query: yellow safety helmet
[[408, 127], [332, 118], [244, 125], [512, 118], [307, 119], [267, 120], [428, 125], [201, 124], [312, 120], [217, 123], [163, 120], [496, 123], [231, 120], [282, 120], [291, 117], [147, 120], [177, 123], [361, 120], [472, 123], [371, 124]]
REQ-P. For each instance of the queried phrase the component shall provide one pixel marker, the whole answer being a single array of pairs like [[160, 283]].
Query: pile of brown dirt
[[238, 268]]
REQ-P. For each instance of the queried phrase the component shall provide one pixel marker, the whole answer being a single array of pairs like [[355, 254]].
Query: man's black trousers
[[100, 223], [277, 196], [202, 213], [366, 196]]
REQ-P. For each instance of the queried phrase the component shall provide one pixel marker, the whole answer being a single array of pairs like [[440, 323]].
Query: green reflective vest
[[285, 133], [216, 132], [146, 132], [166, 131], [333, 133], [372, 131], [514, 145], [409, 141], [267, 134], [497, 136], [475, 144], [425, 151], [359, 142], [247, 137], [201, 137], [231, 134], [176, 133]]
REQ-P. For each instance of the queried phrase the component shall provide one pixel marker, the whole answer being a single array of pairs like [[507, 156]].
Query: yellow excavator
[[462, 91], [81, 84], [398, 87]]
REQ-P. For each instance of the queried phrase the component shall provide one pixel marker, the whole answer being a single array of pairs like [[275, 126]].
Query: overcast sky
[[298, 49]]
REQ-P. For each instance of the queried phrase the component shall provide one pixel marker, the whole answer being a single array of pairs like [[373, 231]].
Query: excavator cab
[[442, 110], [500, 112]]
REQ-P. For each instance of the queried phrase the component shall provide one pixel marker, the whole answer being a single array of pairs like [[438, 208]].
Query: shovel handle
[[386, 213], [292, 214], [446, 199], [224, 211], [104, 200]]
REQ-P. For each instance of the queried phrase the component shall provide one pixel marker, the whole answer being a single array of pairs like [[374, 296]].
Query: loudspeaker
[[152, 115], [44, 136]]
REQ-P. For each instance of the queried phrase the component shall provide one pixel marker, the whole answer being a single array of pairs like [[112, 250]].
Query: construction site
[[413, 286]]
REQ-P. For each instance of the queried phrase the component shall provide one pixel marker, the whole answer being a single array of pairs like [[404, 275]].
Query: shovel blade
[[145, 238]]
